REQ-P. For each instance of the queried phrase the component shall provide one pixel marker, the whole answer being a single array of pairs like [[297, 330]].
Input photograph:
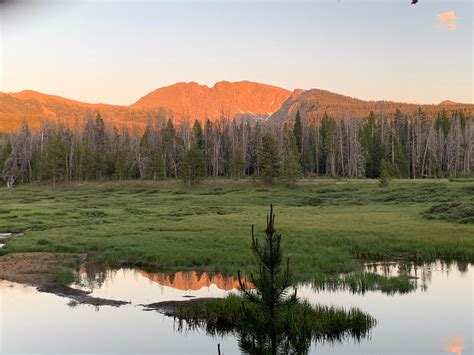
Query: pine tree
[[386, 171], [238, 164], [54, 161], [155, 167], [198, 135], [291, 167], [328, 138], [121, 163], [298, 131], [374, 149], [401, 162], [88, 163], [270, 286], [169, 149], [268, 159], [193, 168], [100, 147], [443, 123]]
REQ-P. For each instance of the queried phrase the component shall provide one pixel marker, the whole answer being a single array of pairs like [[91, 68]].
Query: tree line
[[396, 145]]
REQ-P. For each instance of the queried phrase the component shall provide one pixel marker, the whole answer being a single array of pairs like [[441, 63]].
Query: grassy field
[[328, 226]]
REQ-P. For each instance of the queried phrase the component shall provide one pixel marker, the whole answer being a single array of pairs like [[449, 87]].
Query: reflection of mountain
[[192, 280]]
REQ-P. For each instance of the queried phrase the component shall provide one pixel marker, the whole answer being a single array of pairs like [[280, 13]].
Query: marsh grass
[[63, 277], [362, 282], [452, 212], [206, 227]]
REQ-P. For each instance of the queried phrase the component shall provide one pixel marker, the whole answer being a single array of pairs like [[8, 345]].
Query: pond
[[437, 318]]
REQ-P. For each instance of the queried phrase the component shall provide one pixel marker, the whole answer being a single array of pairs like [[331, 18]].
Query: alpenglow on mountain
[[191, 101]]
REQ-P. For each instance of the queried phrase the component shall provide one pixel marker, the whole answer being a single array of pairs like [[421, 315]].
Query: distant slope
[[35, 107], [313, 103], [201, 102]]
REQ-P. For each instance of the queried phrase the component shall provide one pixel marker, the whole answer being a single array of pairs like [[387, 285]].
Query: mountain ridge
[[189, 100], [314, 103], [231, 98]]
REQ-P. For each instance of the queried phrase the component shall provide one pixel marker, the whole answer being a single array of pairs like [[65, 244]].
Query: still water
[[435, 319]]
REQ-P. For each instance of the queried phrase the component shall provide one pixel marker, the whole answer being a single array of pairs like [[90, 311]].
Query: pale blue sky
[[117, 51]]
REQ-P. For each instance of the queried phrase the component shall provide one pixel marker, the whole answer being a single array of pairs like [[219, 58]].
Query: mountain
[[244, 98], [239, 100], [314, 103], [36, 107], [448, 103]]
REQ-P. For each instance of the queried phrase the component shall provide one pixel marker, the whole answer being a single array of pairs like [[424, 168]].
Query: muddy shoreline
[[36, 269]]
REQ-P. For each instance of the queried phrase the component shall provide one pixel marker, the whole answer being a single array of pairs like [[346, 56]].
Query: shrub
[[63, 277], [451, 212], [93, 213]]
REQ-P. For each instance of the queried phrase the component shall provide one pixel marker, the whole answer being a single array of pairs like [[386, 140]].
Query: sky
[[117, 51]]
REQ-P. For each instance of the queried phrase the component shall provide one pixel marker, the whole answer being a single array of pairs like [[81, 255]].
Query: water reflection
[[94, 275], [432, 320], [192, 280], [419, 270], [141, 287], [32, 322], [421, 273]]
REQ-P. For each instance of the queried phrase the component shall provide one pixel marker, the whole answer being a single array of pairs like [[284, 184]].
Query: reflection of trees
[[421, 272], [295, 329], [289, 334], [93, 275]]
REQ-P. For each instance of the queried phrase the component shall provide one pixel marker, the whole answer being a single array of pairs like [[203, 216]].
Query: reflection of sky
[[435, 321], [40, 323], [416, 323]]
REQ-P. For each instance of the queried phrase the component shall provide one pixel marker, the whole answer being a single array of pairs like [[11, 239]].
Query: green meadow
[[329, 227]]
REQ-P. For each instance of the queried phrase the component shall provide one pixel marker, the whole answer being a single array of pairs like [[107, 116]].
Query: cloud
[[452, 26], [447, 20], [455, 345]]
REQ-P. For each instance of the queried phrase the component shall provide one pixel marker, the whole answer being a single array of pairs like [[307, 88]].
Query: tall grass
[[329, 225]]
